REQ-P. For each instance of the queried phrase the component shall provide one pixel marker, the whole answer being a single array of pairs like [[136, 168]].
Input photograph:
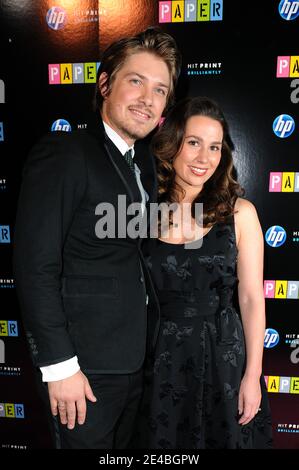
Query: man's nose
[[147, 95]]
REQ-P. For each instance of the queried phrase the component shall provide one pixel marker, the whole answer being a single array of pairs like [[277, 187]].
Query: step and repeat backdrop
[[50, 52]]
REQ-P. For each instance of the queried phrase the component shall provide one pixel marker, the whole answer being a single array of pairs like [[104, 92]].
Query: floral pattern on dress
[[192, 383]]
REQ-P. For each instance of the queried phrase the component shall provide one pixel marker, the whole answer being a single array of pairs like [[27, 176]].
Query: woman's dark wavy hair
[[220, 192]]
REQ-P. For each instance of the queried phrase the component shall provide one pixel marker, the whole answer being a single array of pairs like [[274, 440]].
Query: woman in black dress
[[204, 387]]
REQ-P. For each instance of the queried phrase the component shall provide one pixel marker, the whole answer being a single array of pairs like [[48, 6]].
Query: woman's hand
[[249, 398]]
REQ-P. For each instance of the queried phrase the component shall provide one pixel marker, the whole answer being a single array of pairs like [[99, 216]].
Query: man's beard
[[135, 134]]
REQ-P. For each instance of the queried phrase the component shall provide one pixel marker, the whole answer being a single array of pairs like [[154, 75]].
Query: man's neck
[[118, 141], [129, 141]]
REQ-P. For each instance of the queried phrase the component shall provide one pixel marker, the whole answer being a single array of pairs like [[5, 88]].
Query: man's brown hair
[[152, 40]]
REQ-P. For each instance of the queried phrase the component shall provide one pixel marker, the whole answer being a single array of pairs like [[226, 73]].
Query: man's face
[[137, 96]]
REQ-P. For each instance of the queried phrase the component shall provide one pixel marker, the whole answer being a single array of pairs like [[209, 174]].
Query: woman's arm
[[250, 245]]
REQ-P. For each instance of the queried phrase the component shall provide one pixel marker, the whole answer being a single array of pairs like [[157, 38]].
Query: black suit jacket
[[79, 294]]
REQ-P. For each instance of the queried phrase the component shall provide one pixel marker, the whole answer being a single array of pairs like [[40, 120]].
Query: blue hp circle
[[283, 126], [271, 338], [56, 18], [61, 125], [288, 9], [275, 236]]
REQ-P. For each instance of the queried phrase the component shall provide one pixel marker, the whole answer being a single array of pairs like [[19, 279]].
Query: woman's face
[[200, 154]]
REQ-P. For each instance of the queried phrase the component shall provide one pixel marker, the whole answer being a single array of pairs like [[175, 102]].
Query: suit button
[[141, 279]]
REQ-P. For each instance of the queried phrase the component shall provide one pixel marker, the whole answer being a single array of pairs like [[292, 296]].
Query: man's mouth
[[141, 114]]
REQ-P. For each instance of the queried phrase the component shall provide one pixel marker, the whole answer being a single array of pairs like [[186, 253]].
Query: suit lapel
[[118, 162], [123, 170], [143, 158], [147, 165]]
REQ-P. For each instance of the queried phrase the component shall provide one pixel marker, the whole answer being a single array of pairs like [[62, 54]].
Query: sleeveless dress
[[191, 388]]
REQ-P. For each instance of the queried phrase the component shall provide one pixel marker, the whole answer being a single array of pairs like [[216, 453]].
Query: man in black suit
[[84, 297]]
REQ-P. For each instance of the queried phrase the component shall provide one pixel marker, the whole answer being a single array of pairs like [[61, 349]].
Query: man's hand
[[68, 398]]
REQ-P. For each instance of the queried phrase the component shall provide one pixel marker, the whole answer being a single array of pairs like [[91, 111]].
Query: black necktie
[[129, 160]]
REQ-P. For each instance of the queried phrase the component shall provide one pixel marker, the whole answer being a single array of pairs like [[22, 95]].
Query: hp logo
[[61, 125], [283, 126], [275, 236], [288, 9], [56, 18], [271, 338]]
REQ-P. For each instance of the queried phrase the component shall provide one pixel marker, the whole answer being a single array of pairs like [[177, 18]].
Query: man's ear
[[103, 84]]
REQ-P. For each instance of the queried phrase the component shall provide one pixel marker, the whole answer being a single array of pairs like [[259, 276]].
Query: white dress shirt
[[67, 368], [123, 148]]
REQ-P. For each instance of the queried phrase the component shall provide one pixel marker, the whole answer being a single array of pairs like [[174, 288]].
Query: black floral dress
[[191, 385]]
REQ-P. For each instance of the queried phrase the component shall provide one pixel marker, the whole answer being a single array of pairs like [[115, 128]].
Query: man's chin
[[137, 134]]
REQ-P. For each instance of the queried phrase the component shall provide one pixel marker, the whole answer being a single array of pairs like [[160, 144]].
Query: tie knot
[[129, 159]]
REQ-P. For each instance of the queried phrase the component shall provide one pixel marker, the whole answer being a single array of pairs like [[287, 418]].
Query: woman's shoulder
[[246, 218], [243, 207]]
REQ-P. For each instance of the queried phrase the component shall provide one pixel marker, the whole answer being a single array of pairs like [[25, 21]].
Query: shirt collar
[[118, 141]]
